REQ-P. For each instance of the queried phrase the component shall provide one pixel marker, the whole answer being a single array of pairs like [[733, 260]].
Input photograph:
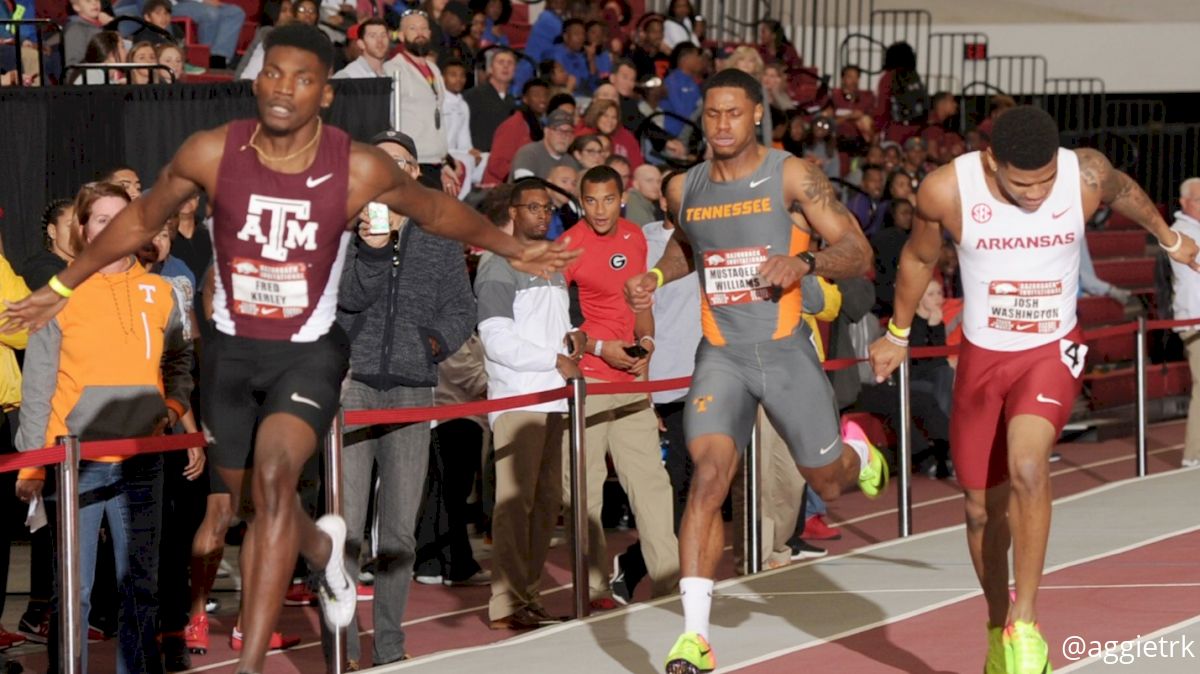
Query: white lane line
[[918, 590]]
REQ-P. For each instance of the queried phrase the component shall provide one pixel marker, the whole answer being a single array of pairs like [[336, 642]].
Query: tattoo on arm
[[819, 192], [676, 262], [1118, 190], [844, 259]]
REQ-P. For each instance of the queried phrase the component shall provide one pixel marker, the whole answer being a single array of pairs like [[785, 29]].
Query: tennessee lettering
[[1019, 242], [731, 210]]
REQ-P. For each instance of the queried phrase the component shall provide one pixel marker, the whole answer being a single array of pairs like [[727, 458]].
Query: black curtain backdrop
[[54, 139]]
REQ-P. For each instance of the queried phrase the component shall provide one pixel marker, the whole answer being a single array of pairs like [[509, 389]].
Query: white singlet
[[1020, 270]]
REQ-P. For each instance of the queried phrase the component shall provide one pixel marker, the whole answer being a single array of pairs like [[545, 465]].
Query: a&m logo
[[290, 228]]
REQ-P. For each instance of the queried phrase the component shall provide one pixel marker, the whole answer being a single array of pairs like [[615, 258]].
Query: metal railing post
[[579, 509], [70, 643], [1141, 396], [752, 474], [904, 453], [333, 506], [396, 100]]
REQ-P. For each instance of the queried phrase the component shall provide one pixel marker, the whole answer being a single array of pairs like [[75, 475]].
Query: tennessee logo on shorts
[[702, 404]]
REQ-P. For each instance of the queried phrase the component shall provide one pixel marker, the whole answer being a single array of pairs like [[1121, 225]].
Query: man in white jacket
[[1186, 305]]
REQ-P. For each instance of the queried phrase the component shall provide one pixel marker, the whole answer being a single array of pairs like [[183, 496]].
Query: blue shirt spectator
[[19, 10], [545, 31], [683, 96], [490, 36], [576, 64]]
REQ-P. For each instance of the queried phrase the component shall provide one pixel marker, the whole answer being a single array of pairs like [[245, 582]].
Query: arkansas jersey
[[1020, 270], [279, 240]]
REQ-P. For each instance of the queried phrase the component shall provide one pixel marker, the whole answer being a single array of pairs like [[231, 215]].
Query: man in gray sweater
[[406, 303]]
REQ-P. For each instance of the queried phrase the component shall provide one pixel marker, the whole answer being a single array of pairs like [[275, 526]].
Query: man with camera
[[619, 345]]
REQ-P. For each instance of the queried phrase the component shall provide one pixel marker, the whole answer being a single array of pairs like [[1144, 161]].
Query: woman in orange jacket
[[115, 363]]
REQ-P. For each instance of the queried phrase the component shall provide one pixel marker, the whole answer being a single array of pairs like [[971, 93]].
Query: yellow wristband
[[902, 333], [58, 287], [657, 272]]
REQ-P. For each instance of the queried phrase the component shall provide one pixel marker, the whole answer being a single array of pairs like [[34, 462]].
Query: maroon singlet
[[279, 240]]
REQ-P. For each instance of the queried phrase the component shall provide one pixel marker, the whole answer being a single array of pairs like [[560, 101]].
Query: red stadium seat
[[253, 9], [1097, 311], [194, 53], [518, 26], [1116, 243], [1127, 273]]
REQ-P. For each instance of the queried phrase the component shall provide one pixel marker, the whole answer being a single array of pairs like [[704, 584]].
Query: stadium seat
[[1097, 311], [1128, 272], [518, 26], [195, 53], [253, 9], [1119, 387], [1118, 243]]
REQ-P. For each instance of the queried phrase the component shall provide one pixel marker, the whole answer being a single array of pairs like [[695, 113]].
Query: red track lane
[[952, 639], [869, 522]]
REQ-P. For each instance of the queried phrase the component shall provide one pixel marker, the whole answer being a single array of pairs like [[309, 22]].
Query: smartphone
[[637, 351], [377, 218]]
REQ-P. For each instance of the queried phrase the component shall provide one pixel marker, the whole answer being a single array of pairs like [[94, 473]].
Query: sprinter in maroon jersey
[[287, 191]]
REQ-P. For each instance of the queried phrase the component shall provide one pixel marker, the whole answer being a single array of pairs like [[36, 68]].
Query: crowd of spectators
[[576, 135]]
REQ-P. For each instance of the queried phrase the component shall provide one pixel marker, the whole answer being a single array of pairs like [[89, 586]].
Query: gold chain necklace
[[128, 304], [262, 154]]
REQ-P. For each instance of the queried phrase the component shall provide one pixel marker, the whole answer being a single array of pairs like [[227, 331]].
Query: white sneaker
[[428, 580], [337, 591], [1190, 463]]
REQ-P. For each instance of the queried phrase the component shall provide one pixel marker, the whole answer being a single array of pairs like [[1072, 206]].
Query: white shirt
[[1186, 282], [676, 319], [359, 68], [676, 31], [420, 106], [456, 120]]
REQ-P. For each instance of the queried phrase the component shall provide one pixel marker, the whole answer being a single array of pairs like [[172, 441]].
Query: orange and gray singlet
[[756, 349]]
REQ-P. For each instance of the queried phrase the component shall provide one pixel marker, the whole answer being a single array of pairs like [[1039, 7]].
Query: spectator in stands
[[868, 205], [887, 243], [565, 198], [457, 117], [219, 25], [683, 88], [251, 62], [406, 303], [747, 60], [599, 50], [307, 12], [524, 324], [454, 22], [900, 187], [775, 47], [521, 128], [854, 106], [623, 426], [20, 45], [893, 156], [940, 133], [374, 41], [999, 104], [12, 289], [678, 27], [647, 54], [489, 101], [775, 86], [933, 377], [83, 25], [422, 87], [872, 157], [916, 163], [92, 373], [125, 177], [171, 56], [142, 53], [624, 83], [58, 222], [575, 60], [1094, 286], [902, 101], [553, 72], [622, 166], [157, 13], [820, 147], [537, 157], [497, 13], [641, 199], [1186, 306], [547, 28], [105, 47], [601, 117], [588, 150]]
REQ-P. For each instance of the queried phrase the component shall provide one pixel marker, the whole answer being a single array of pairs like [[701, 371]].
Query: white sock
[[697, 602], [864, 453]]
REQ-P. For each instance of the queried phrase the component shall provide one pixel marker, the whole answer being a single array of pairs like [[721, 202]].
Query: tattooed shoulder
[[818, 191]]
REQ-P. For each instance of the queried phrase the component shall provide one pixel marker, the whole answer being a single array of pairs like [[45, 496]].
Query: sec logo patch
[[981, 213], [617, 261]]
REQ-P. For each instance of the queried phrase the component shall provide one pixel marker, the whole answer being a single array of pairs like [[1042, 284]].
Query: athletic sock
[[697, 602], [864, 453]]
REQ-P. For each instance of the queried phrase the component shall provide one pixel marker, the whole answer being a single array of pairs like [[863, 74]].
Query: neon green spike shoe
[[690, 655], [1027, 649], [999, 661], [873, 477]]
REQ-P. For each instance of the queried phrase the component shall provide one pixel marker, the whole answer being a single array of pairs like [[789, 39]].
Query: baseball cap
[[914, 142], [560, 118], [402, 139]]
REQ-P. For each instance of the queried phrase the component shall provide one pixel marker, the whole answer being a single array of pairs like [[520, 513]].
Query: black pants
[[41, 575], [184, 503], [443, 547]]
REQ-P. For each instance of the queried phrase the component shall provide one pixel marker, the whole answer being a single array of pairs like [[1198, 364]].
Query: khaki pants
[[625, 427], [1191, 447], [529, 451], [781, 497]]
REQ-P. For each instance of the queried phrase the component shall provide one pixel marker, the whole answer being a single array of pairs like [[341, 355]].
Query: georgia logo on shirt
[[617, 261]]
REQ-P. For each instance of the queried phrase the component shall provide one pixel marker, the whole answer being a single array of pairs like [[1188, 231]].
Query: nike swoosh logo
[[314, 182], [738, 296], [756, 183], [627, 236], [1043, 399], [297, 398], [1060, 213], [1024, 327], [830, 447]]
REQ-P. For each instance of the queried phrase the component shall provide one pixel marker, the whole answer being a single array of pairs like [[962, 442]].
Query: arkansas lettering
[[1015, 242]]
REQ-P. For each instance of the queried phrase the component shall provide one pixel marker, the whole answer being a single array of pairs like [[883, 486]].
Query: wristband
[[658, 272], [897, 331], [58, 287], [1175, 246], [898, 341], [596, 349], [646, 338]]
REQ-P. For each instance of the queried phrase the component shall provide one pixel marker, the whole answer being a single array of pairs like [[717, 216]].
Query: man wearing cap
[[371, 37], [406, 304], [540, 156], [915, 164]]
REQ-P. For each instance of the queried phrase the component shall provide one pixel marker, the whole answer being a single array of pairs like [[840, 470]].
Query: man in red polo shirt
[[619, 344]]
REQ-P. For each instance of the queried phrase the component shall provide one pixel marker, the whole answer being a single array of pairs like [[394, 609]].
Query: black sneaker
[[804, 550], [621, 592], [175, 653]]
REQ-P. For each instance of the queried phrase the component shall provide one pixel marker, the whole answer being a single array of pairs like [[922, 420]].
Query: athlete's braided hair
[[1025, 138]]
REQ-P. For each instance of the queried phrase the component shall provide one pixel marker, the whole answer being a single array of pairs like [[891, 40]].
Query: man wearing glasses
[[538, 158]]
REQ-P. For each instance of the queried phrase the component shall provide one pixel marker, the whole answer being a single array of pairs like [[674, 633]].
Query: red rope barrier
[[416, 414], [616, 388], [1167, 325], [31, 459], [1110, 331]]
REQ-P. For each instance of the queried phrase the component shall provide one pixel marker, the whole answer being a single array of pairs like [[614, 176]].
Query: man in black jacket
[[406, 303]]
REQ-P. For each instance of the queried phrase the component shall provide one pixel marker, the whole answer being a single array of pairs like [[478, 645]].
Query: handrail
[[130, 67], [44, 23]]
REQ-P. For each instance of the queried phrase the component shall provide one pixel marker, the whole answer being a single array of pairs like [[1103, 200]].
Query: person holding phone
[[620, 343]]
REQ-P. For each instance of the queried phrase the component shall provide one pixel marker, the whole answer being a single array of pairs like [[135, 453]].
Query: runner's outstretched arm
[[1102, 182], [676, 261]]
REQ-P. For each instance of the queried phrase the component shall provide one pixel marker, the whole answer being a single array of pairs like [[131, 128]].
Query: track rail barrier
[[69, 451]]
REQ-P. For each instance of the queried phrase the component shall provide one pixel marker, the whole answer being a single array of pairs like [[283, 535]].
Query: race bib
[[1073, 354], [269, 290], [1025, 306], [731, 276]]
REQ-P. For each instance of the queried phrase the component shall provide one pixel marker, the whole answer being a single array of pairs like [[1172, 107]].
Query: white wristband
[[599, 345], [645, 339], [898, 341], [1175, 246]]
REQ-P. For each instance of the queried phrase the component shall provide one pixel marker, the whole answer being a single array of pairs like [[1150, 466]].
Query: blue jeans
[[218, 26], [129, 496]]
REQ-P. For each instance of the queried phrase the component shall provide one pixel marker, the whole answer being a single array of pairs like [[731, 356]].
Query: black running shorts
[[246, 380]]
